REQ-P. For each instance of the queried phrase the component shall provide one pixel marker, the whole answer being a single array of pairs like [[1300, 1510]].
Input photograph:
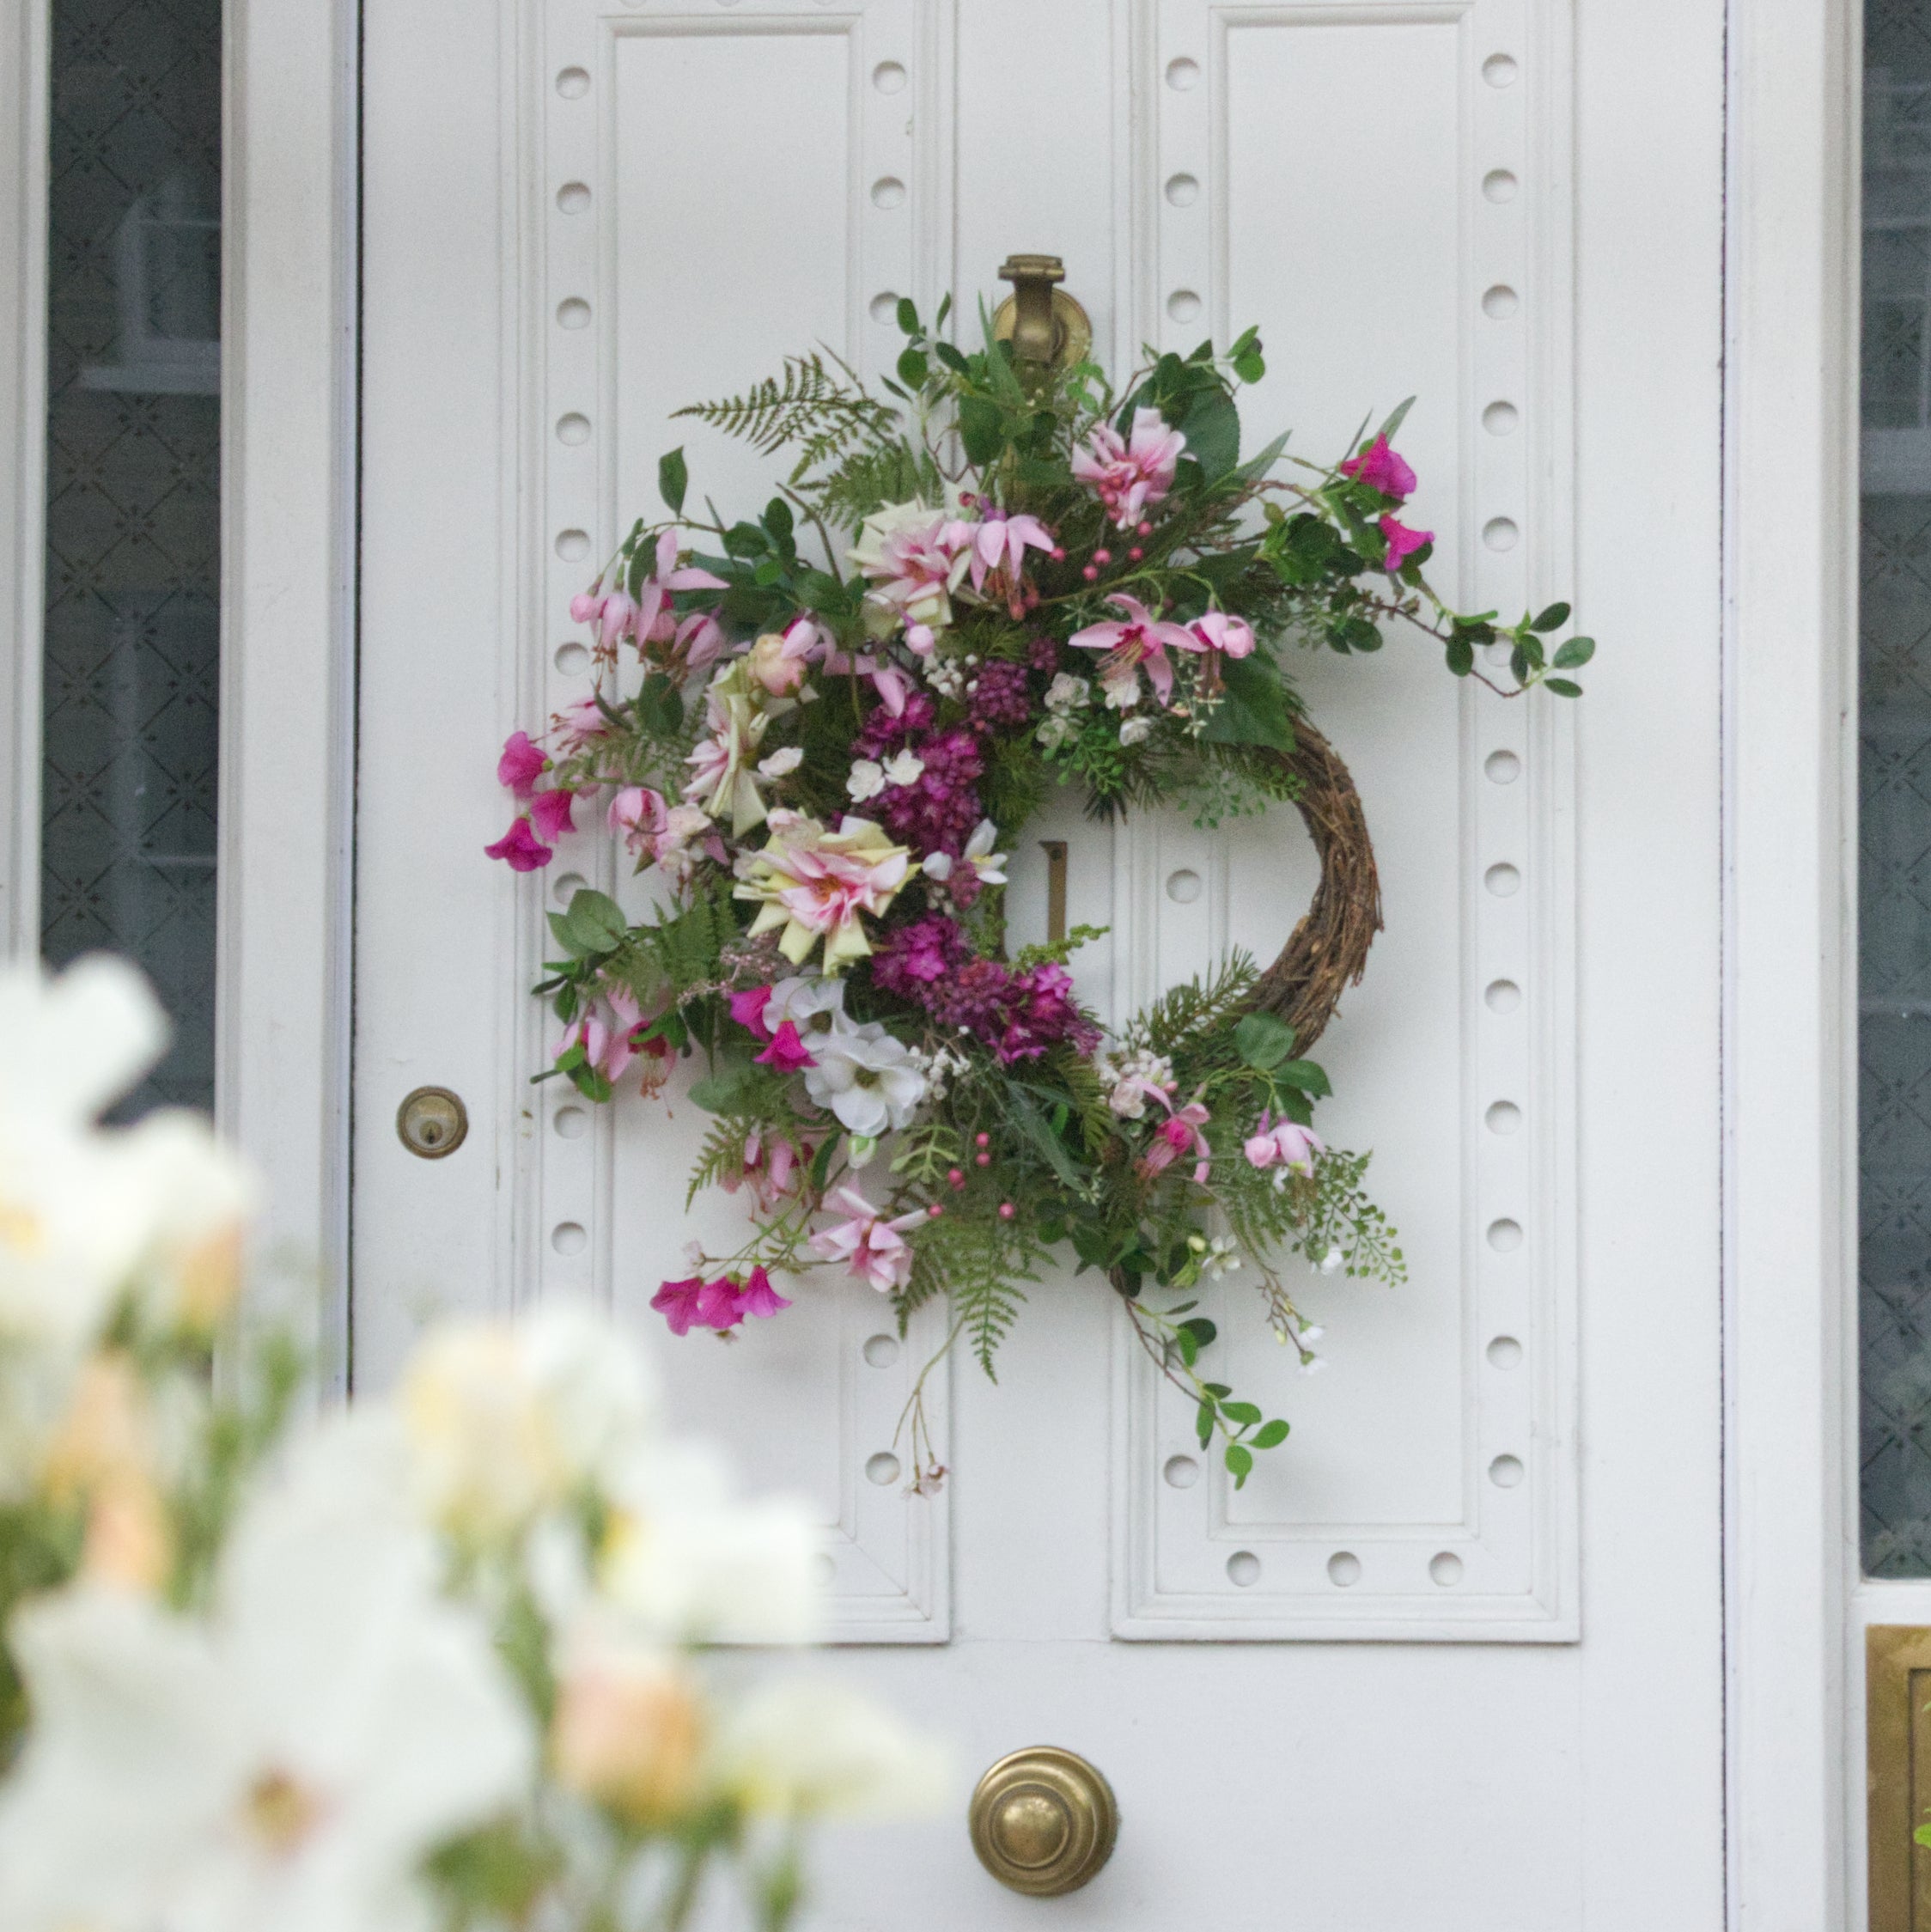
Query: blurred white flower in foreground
[[287, 1764], [803, 1747]]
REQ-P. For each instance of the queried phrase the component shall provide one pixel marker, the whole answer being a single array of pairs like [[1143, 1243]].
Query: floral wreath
[[1051, 582]]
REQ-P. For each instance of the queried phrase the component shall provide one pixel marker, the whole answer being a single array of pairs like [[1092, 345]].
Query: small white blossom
[[865, 1078], [1130, 1078], [1133, 731], [780, 764], [947, 677], [1066, 692], [988, 864], [904, 768], [938, 865], [1330, 1262], [1054, 733], [867, 780]]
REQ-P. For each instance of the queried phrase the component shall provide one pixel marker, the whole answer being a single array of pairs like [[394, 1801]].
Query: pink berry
[[955, 1177], [982, 1159], [982, 1140], [933, 1212], [1058, 553], [1136, 553], [1007, 1211], [1102, 557], [1089, 573], [1145, 530]]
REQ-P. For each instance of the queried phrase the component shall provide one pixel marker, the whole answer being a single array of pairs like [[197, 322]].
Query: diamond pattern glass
[[127, 859]]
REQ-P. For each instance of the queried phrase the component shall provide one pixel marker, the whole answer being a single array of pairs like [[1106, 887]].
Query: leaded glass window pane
[[133, 506]]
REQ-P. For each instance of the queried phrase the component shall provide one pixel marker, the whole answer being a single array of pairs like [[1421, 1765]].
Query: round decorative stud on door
[[432, 1122], [1044, 1821]]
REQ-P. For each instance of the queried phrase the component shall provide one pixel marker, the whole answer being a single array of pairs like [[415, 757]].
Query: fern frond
[[828, 409]]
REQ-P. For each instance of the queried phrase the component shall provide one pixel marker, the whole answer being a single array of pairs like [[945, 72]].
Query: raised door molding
[[811, 150], [1428, 1491]]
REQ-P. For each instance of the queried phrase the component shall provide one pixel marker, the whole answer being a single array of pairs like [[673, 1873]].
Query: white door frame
[[1794, 1607], [287, 595]]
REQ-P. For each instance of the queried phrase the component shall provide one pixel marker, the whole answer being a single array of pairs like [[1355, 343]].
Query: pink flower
[[636, 813], [550, 812], [887, 679], [1402, 542], [1001, 543], [778, 663], [1216, 630], [869, 1245], [521, 764], [814, 884], [656, 622], [757, 1296], [1177, 1135], [607, 1027], [787, 1051], [1129, 475], [1287, 1142], [771, 1173], [520, 848], [747, 1009], [611, 613], [677, 1302], [1379, 468], [915, 559], [1140, 639], [578, 726]]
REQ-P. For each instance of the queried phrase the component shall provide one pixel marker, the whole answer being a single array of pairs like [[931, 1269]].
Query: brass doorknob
[[1044, 1821]]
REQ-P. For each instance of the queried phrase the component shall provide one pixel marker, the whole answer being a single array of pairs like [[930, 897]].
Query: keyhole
[[431, 1133]]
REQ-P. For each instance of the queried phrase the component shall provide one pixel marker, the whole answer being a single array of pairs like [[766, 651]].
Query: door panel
[[667, 199]]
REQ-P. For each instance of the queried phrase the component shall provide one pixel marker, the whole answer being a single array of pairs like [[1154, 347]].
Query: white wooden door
[[1453, 1657]]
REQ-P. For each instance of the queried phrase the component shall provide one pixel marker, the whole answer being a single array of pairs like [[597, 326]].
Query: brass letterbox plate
[[1898, 1757]]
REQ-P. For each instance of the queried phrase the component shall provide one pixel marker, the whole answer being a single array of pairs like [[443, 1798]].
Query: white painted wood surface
[[1463, 1785]]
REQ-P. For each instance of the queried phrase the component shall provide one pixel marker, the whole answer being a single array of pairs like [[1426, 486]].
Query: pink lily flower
[[1233, 636], [1001, 543], [636, 815], [578, 726], [700, 643], [655, 622], [1178, 1135], [1379, 468], [1139, 638], [870, 1245], [522, 763], [550, 812], [520, 848], [1127, 474], [747, 1009], [787, 1051], [1402, 542], [1286, 1142]]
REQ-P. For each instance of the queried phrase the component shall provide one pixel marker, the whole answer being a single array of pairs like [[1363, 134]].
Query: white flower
[[938, 865], [800, 1748], [868, 1079], [1131, 1078], [1330, 1262], [1122, 696], [988, 864], [1313, 1365], [288, 1764], [948, 676], [867, 780], [1309, 1336], [780, 763], [1055, 731], [812, 1003], [629, 1731], [685, 1560], [507, 1420], [1066, 692], [904, 768], [1134, 730], [1222, 1258]]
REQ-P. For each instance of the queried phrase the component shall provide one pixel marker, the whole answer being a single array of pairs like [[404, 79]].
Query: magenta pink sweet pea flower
[[786, 1051], [1402, 542], [757, 1296], [638, 815], [747, 1009], [1233, 636], [677, 1302], [521, 764], [1001, 543], [1285, 1143], [550, 812], [1379, 468], [1127, 474], [1176, 1135], [871, 1246], [1139, 638], [520, 848]]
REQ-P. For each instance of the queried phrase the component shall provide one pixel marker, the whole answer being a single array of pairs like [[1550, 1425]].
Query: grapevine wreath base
[[822, 731]]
